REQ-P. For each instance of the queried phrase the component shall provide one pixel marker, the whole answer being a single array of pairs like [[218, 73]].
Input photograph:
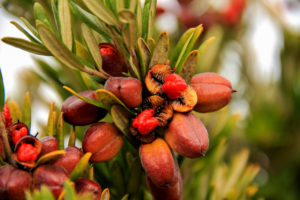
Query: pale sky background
[[264, 38]]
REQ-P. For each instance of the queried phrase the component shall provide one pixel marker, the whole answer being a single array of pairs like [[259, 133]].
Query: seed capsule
[[2, 153], [78, 112], [187, 135], [70, 159], [84, 185], [13, 183], [112, 61], [213, 91], [128, 90], [51, 176], [158, 162], [17, 131], [103, 140], [49, 144]]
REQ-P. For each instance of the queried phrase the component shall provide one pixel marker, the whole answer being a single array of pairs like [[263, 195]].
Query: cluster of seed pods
[[163, 123], [22, 173]]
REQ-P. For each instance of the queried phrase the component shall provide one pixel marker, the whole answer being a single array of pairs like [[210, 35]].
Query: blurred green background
[[257, 47]]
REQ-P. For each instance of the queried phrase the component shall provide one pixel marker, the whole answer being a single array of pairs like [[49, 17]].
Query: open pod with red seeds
[[26, 151], [16, 131]]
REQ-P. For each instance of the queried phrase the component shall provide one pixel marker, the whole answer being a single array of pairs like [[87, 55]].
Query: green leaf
[[139, 19], [105, 195], [151, 44], [15, 111], [70, 193], [50, 157], [109, 99], [92, 45], [72, 137], [26, 45], [41, 16], [132, 5], [120, 5], [81, 166], [161, 50], [30, 27], [144, 55], [125, 197], [59, 50], [90, 101], [118, 177], [189, 67], [60, 132], [65, 23], [134, 180], [50, 124], [2, 92], [28, 35], [121, 118], [89, 19], [98, 9], [148, 18], [46, 193], [205, 45], [26, 111], [130, 32], [185, 38]]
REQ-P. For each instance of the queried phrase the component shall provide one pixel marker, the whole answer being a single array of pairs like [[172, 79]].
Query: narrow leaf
[[205, 45], [151, 44], [125, 197], [118, 178], [70, 193], [28, 35], [50, 157], [15, 111], [65, 23], [81, 166], [91, 20], [160, 53], [144, 56], [46, 193], [50, 123], [120, 117], [98, 9], [189, 67], [60, 132], [134, 180], [129, 33], [90, 101], [30, 27], [2, 92], [139, 19], [109, 99], [41, 15], [26, 45], [59, 50], [148, 18], [92, 45], [26, 111], [105, 195], [120, 5]]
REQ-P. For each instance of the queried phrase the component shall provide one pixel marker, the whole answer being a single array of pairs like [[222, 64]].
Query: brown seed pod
[[187, 135], [49, 144], [2, 153], [128, 90], [156, 77], [186, 101], [70, 159], [80, 113], [103, 140], [13, 183], [172, 192], [213, 91], [112, 61], [143, 138], [84, 185], [163, 111], [26, 151], [51, 176], [158, 162]]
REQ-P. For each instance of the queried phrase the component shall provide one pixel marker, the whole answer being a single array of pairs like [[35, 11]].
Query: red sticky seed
[[174, 85], [145, 122], [18, 134], [7, 116], [232, 14], [106, 51], [27, 153]]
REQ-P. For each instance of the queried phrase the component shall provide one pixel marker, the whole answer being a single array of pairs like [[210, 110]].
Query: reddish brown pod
[[187, 135], [78, 112], [84, 185], [2, 153], [158, 162], [128, 90], [17, 131], [173, 192], [70, 159], [213, 91], [112, 61], [49, 144], [51, 176], [103, 140], [13, 183]]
